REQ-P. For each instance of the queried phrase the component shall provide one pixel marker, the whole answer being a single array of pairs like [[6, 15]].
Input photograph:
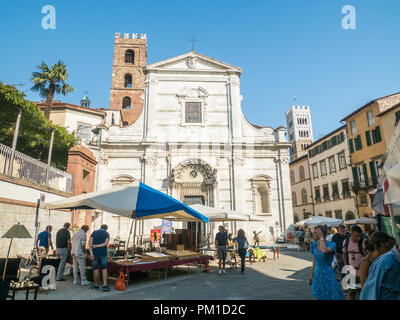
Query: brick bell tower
[[127, 85]]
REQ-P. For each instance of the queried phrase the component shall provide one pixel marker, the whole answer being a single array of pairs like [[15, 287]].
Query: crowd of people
[[366, 266], [74, 248]]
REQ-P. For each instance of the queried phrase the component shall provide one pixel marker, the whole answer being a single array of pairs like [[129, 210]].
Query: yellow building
[[300, 182], [368, 134]]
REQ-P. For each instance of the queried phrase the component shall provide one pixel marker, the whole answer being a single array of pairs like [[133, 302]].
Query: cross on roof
[[193, 39]]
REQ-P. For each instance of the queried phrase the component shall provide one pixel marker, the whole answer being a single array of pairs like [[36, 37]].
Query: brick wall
[[135, 69], [82, 165]]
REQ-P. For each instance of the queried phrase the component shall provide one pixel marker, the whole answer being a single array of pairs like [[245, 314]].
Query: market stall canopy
[[320, 220], [363, 220], [257, 218], [392, 195], [214, 214], [136, 200]]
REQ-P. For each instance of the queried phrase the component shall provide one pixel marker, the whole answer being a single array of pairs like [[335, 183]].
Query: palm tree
[[50, 81]]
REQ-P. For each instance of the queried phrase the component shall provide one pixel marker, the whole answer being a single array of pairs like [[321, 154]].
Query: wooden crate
[[184, 254], [154, 256]]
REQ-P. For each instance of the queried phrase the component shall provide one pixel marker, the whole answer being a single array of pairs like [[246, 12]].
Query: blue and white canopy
[[135, 200]]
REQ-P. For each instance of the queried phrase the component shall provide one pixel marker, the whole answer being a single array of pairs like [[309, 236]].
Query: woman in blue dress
[[324, 283]]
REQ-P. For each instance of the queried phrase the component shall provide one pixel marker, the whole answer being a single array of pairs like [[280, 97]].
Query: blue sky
[[286, 48]]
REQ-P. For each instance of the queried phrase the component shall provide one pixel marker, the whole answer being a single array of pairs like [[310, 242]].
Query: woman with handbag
[[241, 246]]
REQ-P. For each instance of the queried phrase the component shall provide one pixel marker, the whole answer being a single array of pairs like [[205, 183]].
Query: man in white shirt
[[79, 256]]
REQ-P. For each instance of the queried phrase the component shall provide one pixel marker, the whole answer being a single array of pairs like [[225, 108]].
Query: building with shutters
[[368, 136], [300, 182], [331, 176]]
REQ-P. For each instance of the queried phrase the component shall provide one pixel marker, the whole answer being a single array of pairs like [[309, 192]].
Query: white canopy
[[214, 214], [363, 220], [392, 195], [320, 220]]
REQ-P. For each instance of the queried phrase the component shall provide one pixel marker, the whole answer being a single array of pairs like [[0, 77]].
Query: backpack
[[360, 245]]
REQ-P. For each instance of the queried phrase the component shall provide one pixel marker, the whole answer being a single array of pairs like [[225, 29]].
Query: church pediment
[[192, 61]]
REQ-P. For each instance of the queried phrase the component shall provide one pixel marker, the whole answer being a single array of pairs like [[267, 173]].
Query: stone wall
[[18, 203]]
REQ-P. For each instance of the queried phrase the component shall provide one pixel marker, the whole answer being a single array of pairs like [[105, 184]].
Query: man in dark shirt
[[221, 242], [339, 238], [63, 245], [98, 253]]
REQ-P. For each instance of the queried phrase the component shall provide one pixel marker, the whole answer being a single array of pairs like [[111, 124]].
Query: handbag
[[120, 283], [245, 245]]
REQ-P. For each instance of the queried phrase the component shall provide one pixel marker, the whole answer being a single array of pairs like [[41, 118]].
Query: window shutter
[[368, 136], [355, 175], [397, 117], [378, 134], [351, 145], [359, 143], [365, 173], [373, 172]]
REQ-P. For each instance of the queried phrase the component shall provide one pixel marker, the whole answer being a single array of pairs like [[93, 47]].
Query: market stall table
[[114, 267], [14, 288]]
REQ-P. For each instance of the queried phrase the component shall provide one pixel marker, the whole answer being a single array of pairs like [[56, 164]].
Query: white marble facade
[[193, 143]]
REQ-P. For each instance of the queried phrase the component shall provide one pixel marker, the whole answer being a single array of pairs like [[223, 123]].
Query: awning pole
[[197, 232], [393, 222], [129, 237]]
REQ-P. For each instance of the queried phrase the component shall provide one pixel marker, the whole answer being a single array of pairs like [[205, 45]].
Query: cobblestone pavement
[[283, 279]]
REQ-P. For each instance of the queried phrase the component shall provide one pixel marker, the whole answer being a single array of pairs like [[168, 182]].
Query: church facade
[[192, 141]]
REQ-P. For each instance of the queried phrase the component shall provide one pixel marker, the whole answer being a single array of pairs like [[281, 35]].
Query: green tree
[[50, 81], [35, 129]]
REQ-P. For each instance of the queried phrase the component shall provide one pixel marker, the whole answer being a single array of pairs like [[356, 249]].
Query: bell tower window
[[128, 80], [126, 103], [130, 56]]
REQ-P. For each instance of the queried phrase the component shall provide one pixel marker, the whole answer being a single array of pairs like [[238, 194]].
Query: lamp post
[[49, 156], [14, 144]]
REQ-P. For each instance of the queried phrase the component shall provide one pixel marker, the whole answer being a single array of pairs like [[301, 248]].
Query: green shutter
[[378, 134], [397, 117], [359, 143], [367, 135], [351, 145], [365, 174], [355, 175], [373, 173]]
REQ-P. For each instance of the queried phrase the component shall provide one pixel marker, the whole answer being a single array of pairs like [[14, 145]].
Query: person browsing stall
[[44, 239], [79, 256], [99, 240], [63, 245]]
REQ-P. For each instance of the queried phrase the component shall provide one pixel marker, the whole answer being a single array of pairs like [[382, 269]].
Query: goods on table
[[22, 284], [154, 256], [184, 254], [127, 263]]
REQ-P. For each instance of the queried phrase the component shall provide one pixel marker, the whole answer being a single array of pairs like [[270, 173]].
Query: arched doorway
[[193, 182]]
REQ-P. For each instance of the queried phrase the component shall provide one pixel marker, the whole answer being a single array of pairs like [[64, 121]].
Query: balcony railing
[[365, 183], [32, 170]]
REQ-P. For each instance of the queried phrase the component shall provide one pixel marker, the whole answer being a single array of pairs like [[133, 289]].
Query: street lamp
[[49, 156], [14, 144]]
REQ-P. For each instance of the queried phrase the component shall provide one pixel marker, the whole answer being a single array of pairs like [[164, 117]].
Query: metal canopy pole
[[129, 237], [197, 232]]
